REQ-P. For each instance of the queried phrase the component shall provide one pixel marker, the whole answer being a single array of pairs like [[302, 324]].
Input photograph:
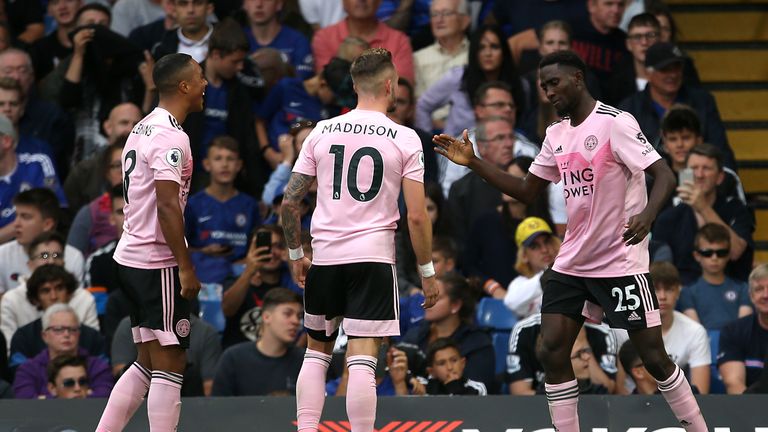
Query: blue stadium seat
[[716, 385], [501, 349], [493, 314]]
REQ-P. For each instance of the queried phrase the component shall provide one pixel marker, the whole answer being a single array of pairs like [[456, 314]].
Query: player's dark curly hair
[[564, 58]]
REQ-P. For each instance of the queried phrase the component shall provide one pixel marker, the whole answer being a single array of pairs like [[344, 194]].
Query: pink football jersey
[[359, 159], [157, 149], [601, 163]]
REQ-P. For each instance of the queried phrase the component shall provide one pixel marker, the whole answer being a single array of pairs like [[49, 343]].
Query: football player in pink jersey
[[154, 264], [361, 160], [601, 156]]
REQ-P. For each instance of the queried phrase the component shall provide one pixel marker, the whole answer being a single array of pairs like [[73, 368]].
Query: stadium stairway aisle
[[728, 40]]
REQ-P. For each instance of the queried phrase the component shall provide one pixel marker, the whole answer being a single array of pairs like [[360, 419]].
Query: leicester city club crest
[[590, 143]]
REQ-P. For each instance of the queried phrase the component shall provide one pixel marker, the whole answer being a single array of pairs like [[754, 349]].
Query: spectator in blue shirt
[[20, 172], [227, 108], [265, 30], [41, 119], [294, 99], [714, 299], [12, 106], [219, 218]]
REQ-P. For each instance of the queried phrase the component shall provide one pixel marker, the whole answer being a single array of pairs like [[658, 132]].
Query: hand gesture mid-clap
[[460, 152]]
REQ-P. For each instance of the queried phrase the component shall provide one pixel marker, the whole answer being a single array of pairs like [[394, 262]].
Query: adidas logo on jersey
[[559, 149], [634, 316]]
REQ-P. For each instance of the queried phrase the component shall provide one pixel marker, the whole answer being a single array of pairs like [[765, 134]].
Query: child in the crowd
[[714, 299], [445, 366], [219, 218]]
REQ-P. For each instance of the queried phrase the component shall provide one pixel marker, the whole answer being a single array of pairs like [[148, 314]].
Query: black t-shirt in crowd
[[21, 13], [244, 371], [744, 340], [242, 326], [601, 52], [46, 54], [522, 363], [518, 15]]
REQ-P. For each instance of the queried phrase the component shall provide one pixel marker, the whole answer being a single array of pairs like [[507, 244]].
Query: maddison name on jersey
[[360, 129]]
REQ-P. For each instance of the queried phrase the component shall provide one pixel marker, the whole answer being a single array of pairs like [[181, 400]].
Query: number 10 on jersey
[[337, 150]]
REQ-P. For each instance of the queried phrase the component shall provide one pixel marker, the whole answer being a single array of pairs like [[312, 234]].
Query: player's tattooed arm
[[290, 210]]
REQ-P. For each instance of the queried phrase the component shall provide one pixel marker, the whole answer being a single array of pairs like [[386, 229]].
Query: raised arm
[[461, 152]]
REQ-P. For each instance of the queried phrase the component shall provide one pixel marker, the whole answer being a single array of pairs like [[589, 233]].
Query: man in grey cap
[[664, 62], [20, 172]]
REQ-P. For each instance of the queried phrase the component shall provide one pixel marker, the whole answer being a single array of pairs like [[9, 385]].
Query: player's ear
[[207, 165], [578, 77]]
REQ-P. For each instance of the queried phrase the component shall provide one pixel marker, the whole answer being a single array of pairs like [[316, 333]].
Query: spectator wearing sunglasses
[[714, 299], [61, 333], [26, 303], [68, 377]]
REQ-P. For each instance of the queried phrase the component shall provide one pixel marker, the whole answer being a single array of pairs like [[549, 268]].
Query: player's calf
[[125, 398], [672, 382]]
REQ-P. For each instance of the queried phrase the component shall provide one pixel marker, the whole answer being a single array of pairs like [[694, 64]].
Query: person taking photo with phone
[[680, 132], [698, 203], [265, 268]]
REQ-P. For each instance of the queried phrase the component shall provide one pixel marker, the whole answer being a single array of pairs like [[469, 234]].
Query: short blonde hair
[[367, 69], [522, 266]]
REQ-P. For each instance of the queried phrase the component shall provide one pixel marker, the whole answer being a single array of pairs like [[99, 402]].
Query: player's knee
[[657, 363], [552, 354]]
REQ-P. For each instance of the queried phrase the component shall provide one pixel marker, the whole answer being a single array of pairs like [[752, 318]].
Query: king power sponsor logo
[[457, 426]]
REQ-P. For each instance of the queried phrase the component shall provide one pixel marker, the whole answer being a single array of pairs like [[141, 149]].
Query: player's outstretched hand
[[458, 151], [190, 286], [637, 227], [299, 269], [431, 292]]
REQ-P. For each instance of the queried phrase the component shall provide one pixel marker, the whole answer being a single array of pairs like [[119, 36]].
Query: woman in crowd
[[489, 60], [537, 248], [407, 275], [452, 317]]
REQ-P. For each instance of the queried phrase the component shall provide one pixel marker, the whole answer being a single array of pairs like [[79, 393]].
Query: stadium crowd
[[76, 78]]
